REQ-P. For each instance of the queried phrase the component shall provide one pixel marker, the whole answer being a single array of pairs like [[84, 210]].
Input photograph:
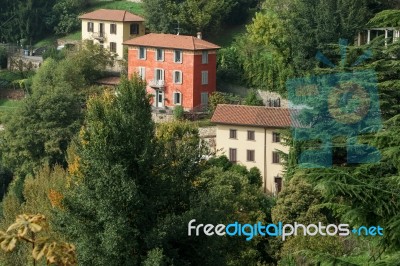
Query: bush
[[253, 99], [179, 112]]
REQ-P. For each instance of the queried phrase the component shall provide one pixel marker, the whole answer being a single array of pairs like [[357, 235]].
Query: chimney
[[199, 35]]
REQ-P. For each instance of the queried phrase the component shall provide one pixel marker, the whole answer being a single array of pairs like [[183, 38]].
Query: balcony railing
[[157, 84], [99, 35]]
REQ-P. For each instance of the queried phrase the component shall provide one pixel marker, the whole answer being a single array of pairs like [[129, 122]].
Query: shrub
[[179, 112]]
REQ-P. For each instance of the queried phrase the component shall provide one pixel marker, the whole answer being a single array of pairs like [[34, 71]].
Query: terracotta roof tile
[[172, 41], [111, 15], [258, 116]]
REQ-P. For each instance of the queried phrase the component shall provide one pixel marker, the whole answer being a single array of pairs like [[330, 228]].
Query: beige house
[[249, 135], [110, 28]]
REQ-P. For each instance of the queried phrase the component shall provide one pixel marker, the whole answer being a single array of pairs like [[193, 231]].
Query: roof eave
[[248, 125]]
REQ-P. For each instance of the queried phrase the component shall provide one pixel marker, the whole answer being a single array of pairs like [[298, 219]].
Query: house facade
[[178, 69], [250, 136], [110, 28]]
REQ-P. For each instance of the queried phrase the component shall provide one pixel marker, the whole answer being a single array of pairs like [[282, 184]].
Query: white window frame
[[142, 72], [162, 54], [204, 57], [162, 74], [181, 57], [180, 77], [144, 52], [180, 98], [204, 77], [90, 28]]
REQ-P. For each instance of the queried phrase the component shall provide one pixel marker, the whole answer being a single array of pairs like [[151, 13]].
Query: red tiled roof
[[172, 41], [258, 116], [111, 15]]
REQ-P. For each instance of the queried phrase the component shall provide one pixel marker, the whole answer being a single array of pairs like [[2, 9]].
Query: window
[[101, 30], [276, 137], [113, 28], [178, 56], [274, 103], [250, 135], [142, 72], [159, 54], [159, 74], [134, 29], [278, 184], [232, 133], [177, 98], [204, 77], [204, 57], [101, 43], [90, 26], [275, 157], [250, 155], [204, 98], [232, 155], [178, 77], [142, 53], [113, 47]]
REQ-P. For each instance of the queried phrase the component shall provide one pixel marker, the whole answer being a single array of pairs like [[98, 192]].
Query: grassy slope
[[136, 8], [226, 36]]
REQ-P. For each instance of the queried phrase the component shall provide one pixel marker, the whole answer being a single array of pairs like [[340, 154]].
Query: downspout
[[265, 160]]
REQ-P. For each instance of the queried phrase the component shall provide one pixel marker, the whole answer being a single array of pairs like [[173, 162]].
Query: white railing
[[98, 35], [157, 83]]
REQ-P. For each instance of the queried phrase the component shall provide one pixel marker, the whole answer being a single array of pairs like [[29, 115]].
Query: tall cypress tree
[[104, 213]]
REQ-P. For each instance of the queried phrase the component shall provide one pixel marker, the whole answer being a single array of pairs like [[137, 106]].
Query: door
[[160, 98]]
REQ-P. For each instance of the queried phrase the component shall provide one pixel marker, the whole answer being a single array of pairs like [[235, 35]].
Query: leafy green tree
[[253, 99], [105, 212], [366, 194], [217, 196], [229, 67], [300, 202], [91, 61], [204, 15], [39, 131], [65, 15], [265, 52], [24, 19], [191, 16], [162, 15]]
